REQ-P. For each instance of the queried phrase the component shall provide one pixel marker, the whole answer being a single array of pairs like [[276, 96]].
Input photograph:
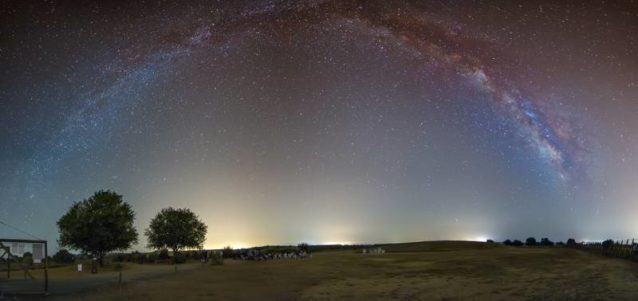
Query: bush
[[546, 242], [490, 241], [179, 257], [27, 259], [530, 241], [137, 257], [152, 257], [216, 258], [303, 247], [163, 254], [517, 243], [560, 243], [228, 252], [571, 242], [608, 243], [120, 257], [63, 256], [507, 242]]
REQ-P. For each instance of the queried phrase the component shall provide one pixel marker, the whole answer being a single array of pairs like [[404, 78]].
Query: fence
[[626, 249]]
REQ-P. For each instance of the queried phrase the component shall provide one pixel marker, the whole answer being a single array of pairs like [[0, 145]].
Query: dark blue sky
[[320, 121]]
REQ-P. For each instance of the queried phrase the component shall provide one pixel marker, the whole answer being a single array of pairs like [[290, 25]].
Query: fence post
[[46, 268]]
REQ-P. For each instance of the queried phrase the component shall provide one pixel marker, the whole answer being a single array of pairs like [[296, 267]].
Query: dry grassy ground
[[419, 271]]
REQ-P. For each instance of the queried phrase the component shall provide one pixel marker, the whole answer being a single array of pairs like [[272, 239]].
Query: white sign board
[[38, 252], [17, 248]]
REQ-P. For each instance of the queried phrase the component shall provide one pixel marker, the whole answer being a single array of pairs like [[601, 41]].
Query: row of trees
[[531, 241], [104, 223]]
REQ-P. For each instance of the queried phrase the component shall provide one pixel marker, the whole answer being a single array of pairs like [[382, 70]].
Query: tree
[[27, 259], [507, 242], [176, 229], [546, 242], [517, 243], [608, 243], [530, 241], [228, 252], [571, 242], [98, 225], [63, 256], [303, 247]]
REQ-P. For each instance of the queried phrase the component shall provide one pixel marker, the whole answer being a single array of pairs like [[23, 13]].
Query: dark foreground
[[419, 271]]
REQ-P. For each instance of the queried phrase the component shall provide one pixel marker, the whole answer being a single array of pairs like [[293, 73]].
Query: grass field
[[415, 271]]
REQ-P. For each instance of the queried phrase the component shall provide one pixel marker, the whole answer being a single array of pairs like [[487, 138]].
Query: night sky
[[319, 121]]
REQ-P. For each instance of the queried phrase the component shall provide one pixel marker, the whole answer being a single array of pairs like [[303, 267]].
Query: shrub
[[560, 243], [303, 247], [179, 257], [571, 242], [27, 259], [490, 241], [507, 242], [120, 257], [63, 256], [546, 242], [608, 244], [137, 257], [163, 254], [530, 241], [517, 243], [216, 258], [228, 252]]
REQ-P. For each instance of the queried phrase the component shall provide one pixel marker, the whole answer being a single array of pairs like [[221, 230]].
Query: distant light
[[337, 243], [479, 238]]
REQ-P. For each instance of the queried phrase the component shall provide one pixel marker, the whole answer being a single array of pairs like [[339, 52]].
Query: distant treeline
[[627, 248], [531, 241]]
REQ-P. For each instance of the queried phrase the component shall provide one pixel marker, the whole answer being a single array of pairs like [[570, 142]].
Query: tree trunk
[[101, 260], [174, 255]]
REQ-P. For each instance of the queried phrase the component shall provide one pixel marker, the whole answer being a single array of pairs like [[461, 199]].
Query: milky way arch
[[431, 42]]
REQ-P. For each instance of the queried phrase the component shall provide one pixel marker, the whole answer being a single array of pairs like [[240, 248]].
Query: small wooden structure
[[6, 251]]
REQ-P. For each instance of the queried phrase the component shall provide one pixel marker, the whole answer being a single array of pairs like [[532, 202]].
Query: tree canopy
[[176, 229], [98, 225]]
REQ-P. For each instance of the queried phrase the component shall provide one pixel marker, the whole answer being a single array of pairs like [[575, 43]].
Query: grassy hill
[[441, 270]]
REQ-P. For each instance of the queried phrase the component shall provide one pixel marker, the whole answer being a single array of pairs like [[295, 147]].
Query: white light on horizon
[[337, 243]]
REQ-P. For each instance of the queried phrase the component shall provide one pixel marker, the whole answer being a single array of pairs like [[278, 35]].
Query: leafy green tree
[[98, 225], [176, 229], [530, 241]]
